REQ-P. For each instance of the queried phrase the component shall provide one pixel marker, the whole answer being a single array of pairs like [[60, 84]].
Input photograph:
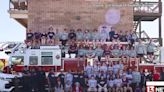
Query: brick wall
[[75, 14]]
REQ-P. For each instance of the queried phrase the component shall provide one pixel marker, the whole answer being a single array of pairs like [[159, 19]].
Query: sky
[[11, 30]]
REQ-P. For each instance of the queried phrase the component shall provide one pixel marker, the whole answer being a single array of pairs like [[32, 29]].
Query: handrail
[[147, 7], [17, 5]]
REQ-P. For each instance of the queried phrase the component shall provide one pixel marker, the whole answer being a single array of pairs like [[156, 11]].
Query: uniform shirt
[[118, 82], [73, 47], [129, 77], [102, 75], [104, 68], [110, 68], [58, 35], [61, 76], [136, 77], [116, 52], [140, 49], [87, 36], [124, 82], [102, 83], [132, 53], [96, 69], [110, 83], [72, 35], [116, 67], [82, 80], [99, 51], [123, 38], [79, 35], [124, 52], [51, 35], [43, 35], [111, 34], [104, 35], [90, 52], [69, 77], [75, 77], [64, 36], [52, 78], [29, 36], [150, 47], [88, 69], [81, 52], [92, 83], [95, 36], [37, 35], [121, 66], [132, 36], [115, 36]]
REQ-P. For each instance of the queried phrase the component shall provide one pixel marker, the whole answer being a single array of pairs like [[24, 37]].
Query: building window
[[19, 60], [47, 58], [33, 60]]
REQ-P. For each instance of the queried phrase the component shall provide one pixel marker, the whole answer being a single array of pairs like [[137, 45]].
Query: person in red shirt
[[156, 76]]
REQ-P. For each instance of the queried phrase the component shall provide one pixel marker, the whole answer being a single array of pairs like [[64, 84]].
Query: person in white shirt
[[110, 84], [92, 84], [118, 84]]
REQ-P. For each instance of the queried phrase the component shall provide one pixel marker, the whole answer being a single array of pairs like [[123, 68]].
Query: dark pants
[[133, 85], [99, 58]]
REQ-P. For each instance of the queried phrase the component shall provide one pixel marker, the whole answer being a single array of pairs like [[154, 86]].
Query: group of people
[[50, 36], [101, 77], [78, 42], [125, 52]]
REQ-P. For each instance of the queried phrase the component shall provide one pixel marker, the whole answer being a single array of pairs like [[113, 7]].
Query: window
[[10, 46], [47, 58], [33, 60], [19, 60]]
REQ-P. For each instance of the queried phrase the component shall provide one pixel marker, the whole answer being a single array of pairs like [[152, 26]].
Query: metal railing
[[145, 38], [18, 5], [147, 7]]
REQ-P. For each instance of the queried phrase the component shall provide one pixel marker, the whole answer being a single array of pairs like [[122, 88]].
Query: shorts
[[140, 55], [150, 53]]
